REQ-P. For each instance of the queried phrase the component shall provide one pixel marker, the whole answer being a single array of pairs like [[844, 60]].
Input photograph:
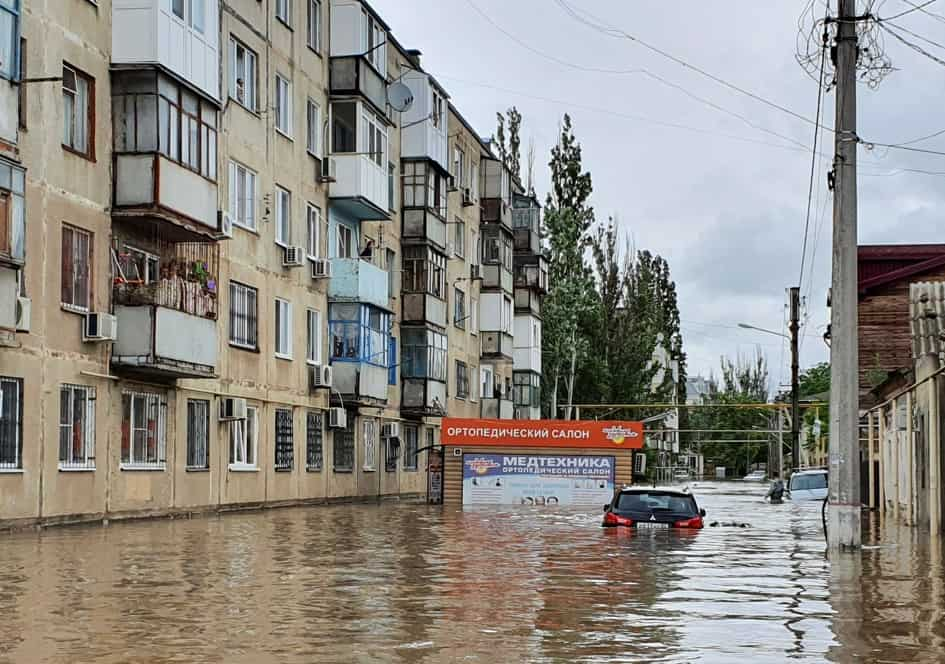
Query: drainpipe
[[935, 454]]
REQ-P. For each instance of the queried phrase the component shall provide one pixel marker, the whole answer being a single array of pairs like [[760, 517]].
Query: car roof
[[811, 471]]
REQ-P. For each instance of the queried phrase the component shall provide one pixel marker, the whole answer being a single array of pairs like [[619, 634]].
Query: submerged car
[[808, 485], [755, 476], [646, 508]]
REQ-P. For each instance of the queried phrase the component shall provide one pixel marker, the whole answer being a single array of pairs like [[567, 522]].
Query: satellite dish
[[399, 96]]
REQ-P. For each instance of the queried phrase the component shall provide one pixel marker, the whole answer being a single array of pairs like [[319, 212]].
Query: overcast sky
[[727, 214]]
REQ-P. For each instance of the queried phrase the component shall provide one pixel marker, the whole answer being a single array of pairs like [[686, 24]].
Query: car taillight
[[695, 522], [611, 519]]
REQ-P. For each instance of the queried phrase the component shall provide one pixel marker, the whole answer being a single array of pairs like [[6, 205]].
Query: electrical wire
[[938, 17], [915, 8], [915, 47], [914, 34]]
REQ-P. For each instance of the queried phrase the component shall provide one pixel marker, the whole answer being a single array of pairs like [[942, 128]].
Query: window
[[410, 447], [76, 268], [242, 196], [198, 15], [177, 6], [369, 430], [314, 434], [285, 448], [392, 371], [373, 138], [314, 217], [243, 316], [9, 33], [438, 117], [424, 354], [486, 382], [392, 445], [12, 211], [11, 422], [360, 333], [314, 134], [315, 25], [391, 177], [462, 380], [424, 271], [345, 247], [343, 448], [242, 74], [283, 106], [244, 439], [424, 187], [459, 237], [314, 353], [526, 390], [497, 250], [78, 123], [459, 309], [283, 216], [374, 42], [185, 124], [77, 427], [284, 11], [198, 434], [142, 430], [283, 329], [507, 315], [474, 315]]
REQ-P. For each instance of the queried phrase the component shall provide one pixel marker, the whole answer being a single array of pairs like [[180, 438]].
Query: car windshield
[[808, 482], [656, 502]]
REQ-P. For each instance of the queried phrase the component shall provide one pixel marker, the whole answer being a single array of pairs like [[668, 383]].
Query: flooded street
[[411, 583]]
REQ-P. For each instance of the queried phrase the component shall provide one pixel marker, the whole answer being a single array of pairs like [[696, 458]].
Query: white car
[[755, 476], [808, 485]]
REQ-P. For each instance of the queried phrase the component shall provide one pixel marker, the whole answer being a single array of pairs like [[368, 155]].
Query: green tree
[[514, 158], [814, 382]]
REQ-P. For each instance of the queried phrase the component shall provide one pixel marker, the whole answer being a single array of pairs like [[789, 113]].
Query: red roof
[[879, 265]]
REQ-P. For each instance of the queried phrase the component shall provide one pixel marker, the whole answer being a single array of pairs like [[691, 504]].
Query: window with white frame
[[198, 15], [243, 74], [374, 42], [283, 216], [438, 116], [369, 431], [507, 315], [76, 268], [284, 11], [315, 25], [373, 138], [314, 336], [198, 434], [459, 237], [314, 440], [244, 441], [487, 383], [77, 427], [9, 38], [283, 320], [283, 105], [345, 248], [314, 133], [178, 7], [313, 216], [244, 316], [285, 443], [411, 434], [143, 431], [11, 423], [242, 195], [77, 100]]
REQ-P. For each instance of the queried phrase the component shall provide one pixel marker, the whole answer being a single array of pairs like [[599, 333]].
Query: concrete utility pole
[[795, 379], [843, 527]]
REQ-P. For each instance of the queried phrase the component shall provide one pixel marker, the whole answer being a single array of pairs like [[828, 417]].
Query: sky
[[711, 179]]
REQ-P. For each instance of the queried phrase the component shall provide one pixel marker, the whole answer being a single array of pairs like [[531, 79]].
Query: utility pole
[[844, 514], [795, 379]]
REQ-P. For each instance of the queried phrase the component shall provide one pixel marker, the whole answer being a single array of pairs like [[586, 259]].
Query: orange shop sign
[[542, 433]]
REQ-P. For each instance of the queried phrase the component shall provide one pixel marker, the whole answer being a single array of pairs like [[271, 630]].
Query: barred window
[[410, 447], [285, 448], [314, 434], [11, 423], [462, 380], [198, 434], [343, 448], [143, 430], [77, 427], [244, 316], [370, 444], [390, 461]]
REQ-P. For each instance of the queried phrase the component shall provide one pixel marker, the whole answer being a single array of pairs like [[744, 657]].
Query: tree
[[815, 380], [514, 156], [501, 149]]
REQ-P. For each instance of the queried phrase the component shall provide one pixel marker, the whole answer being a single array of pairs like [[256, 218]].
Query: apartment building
[[242, 277]]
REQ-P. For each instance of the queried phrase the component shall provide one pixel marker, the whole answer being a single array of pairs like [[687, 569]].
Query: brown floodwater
[[412, 583]]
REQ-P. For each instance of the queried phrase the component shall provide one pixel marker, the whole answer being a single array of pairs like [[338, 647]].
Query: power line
[[914, 47], [915, 34], [938, 17], [915, 8]]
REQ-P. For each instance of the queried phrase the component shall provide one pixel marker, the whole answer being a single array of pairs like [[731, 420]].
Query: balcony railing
[[495, 211], [497, 409], [357, 280], [354, 75]]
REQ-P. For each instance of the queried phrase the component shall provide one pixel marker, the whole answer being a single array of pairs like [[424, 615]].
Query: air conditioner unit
[[467, 197], [390, 430], [328, 170], [474, 271], [320, 377], [321, 268], [100, 327], [293, 257], [337, 418], [639, 464], [232, 408], [23, 310], [224, 225]]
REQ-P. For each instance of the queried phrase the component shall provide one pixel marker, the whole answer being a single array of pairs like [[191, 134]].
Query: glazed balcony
[[497, 409], [353, 75]]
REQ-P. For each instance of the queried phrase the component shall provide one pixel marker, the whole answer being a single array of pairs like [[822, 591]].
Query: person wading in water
[[776, 492]]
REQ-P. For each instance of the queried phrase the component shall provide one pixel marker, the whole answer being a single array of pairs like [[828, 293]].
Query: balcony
[[497, 409], [526, 226], [423, 308], [357, 280], [360, 382], [527, 413], [531, 272], [361, 351], [495, 277], [497, 344], [495, 211], [423, 397], [361, 188], [353, 75], [423, 224], [162, 342], [527, 301], [425, 125]]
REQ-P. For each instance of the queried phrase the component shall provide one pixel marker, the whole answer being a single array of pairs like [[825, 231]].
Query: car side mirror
[[606, 508], [702, 512]]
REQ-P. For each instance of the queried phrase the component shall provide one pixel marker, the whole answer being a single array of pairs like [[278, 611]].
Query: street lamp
[[795, 387]]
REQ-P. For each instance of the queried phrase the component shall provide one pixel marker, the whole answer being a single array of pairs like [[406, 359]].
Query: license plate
[[651, 524]]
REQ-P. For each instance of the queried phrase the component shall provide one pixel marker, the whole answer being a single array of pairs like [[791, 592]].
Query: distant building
[[697, 389]]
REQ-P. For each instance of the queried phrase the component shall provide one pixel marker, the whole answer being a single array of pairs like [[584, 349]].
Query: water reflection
[[412, 583]]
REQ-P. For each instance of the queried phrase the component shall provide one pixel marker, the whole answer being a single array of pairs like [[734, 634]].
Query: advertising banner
[[543, 480], [583, 434]]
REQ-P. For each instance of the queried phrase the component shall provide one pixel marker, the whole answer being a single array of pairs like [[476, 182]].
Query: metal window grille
[[244, 323], [462, 380], [11, 423], [410, 448], [285, 449], [198, 433], [77, 427], [370, 444], [314, 434], [143, 430], [343, 447]]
